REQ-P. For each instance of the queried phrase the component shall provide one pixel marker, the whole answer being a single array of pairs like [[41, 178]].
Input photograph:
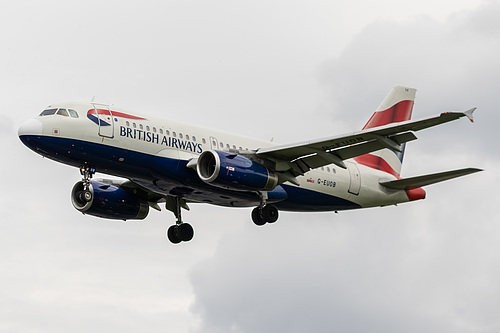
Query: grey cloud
[[6, 126], [451, 64]]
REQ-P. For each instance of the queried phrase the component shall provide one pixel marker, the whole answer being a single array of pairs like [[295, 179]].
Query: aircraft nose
[[30, 127]]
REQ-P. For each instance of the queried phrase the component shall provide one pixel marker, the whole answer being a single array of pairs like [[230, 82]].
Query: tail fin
[[396, 107]]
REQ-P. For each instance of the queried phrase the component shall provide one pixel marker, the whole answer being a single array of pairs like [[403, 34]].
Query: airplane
[[172, 163]]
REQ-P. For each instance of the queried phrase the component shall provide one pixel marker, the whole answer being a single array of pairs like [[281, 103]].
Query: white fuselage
[[153, 153]]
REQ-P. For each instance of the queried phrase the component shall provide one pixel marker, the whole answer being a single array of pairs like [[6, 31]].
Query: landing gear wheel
[[172, 235], [177, 233], [257, 217], [86, 196], [270, 213], [185, 232], [266, 214]]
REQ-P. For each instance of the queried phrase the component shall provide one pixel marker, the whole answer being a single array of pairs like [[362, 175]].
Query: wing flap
[[336, 157], [419, 181]]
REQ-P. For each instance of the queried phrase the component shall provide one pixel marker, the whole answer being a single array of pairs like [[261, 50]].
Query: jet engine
[[108, 201], [235, 172]]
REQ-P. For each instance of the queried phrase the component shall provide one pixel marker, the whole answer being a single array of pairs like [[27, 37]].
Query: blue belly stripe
[[171, 176]]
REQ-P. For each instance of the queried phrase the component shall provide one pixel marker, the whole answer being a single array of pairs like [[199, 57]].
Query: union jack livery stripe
[[93, 114]]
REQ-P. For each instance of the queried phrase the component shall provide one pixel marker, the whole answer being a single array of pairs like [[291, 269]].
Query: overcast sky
[[286, 70]]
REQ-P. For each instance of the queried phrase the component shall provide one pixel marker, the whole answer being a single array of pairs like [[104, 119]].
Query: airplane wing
[[151, 197], [296, 159]]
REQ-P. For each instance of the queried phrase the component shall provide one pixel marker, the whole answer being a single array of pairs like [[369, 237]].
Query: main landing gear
[[179, 232], [265, 214]]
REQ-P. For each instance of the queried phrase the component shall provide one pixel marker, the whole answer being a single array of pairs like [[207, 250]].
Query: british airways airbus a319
[[173, 163]]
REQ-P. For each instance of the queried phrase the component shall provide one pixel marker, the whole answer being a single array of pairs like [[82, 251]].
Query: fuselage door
[[106, 124], [214, 144], [355, 178]]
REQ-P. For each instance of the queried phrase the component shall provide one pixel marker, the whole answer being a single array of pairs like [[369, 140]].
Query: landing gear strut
[[179, 232], [87, 172]]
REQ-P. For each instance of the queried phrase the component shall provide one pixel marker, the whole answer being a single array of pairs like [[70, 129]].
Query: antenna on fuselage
[[93, 99]]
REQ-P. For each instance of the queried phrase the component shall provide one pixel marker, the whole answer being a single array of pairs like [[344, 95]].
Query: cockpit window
[[73, 113], [48, 112], [63, 112]]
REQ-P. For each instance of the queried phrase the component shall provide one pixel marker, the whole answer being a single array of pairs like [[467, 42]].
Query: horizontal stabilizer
[[419, 181]]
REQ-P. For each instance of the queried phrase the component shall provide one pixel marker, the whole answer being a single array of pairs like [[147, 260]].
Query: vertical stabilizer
[[396, 107]]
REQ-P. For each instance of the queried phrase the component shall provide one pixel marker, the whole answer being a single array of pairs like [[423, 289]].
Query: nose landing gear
[[86, 194]]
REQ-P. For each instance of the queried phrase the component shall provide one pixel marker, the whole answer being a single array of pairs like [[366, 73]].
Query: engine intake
[[108, 201], [233, 171]]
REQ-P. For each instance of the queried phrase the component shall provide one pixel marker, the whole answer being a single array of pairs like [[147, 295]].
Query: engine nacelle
[[233, 171], [109, 202]]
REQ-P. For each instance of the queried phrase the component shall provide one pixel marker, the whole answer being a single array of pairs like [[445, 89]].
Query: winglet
[[469, 113]]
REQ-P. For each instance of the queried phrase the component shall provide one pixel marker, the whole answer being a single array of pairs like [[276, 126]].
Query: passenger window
[[203, 140], [174, 134], [180, 135], [154, 129], [161, 131], [73, 113], [167, 132], [63, 112], [194, 138], [48, 112], [187, 137], [147, 128], [140, 126], [134, 125], [327, 169], [128, 123]]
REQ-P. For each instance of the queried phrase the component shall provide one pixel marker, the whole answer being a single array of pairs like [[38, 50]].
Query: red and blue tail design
[[396, 107]]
